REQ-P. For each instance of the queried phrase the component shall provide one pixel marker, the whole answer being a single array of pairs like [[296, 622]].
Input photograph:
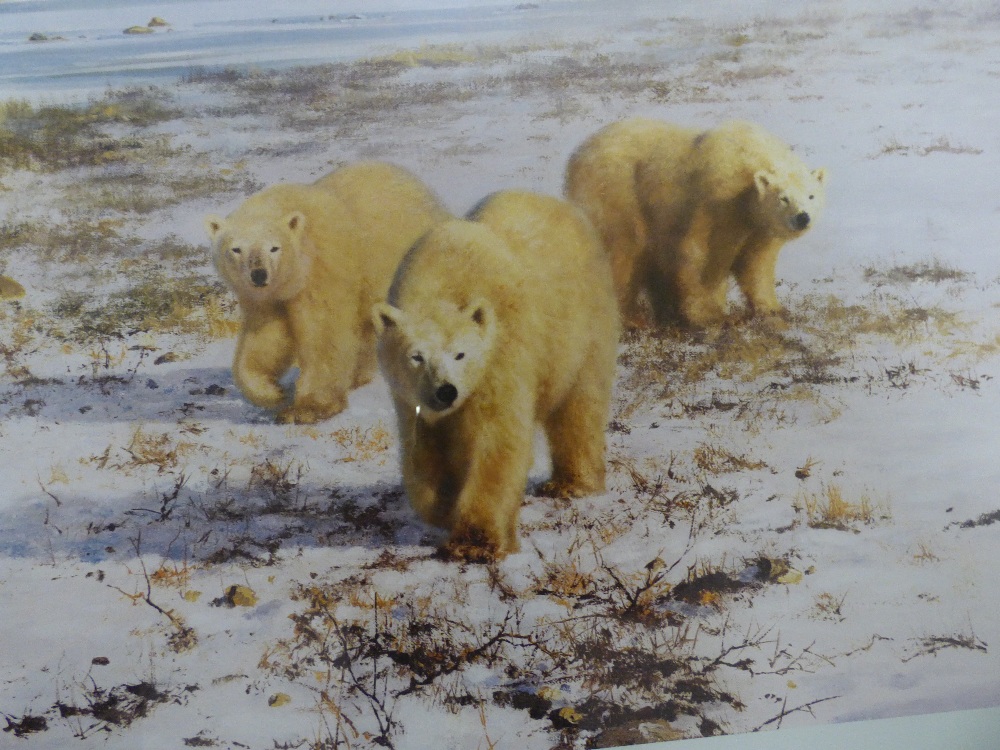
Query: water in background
[[86, 51]]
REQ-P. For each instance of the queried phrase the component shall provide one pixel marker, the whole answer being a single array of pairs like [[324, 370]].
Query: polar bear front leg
[[427, 476], [326, 347], [263, 355], [488, 505], [755, 275]]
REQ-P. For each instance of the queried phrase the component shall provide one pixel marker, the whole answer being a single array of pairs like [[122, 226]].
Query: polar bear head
[[790, 200], [435, 357], [262, 260]]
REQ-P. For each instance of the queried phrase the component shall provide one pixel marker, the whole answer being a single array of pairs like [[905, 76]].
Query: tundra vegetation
[[190, 526]]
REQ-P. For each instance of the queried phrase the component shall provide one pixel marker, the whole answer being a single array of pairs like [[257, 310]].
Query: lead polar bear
[[307, 262], [681, 210], [493, 324]]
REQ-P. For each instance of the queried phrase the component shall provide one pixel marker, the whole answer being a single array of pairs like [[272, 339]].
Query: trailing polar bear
[[680, 210], [494, 324], [307, 262]]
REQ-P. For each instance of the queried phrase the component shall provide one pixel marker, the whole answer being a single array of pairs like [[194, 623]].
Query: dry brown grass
[[52, 137], [158, 303], [883, 314], [924, 554], [671, 366], [754, 366], [942, 145], [829, 509], [805, 471], [152, 188], [933, 271], [81, 239], [159, 450], [452, 55], [829, 607], [566, 582], [363, 443], [20, 339], [714, 459]]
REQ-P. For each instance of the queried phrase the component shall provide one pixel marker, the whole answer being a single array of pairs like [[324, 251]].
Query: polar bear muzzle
[[445, 395]]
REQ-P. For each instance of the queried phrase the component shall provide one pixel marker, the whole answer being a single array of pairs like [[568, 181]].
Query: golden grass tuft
[[829, 607], [156, 449], [171, 575], [829, 509], [363, 444], [565, 582], [924, 554], [714, 459]]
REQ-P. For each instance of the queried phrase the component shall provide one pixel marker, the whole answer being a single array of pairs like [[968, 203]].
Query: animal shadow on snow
[[160, 396], [255, 524]]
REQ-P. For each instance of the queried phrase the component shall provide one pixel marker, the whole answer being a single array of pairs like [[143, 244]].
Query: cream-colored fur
[[680, 211], [494, 324], [307, 262]]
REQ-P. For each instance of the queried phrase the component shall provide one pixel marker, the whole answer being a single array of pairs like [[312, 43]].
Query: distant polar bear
[[493, 324], [307, 262], [681, 210]]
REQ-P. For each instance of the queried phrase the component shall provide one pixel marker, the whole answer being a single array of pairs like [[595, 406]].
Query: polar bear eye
[[418, 358], [811, 197], [236, 251], [275, 249], [784, 199], [460, 355]]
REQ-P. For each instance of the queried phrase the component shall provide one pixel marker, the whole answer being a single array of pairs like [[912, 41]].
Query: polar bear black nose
[[801, 220], [258, 276], [446, 394]]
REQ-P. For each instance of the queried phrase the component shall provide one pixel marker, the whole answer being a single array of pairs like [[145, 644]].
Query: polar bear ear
[[386, 317], [763, 180], [214, 226], [295, 221], [820, 175], [481, 313]]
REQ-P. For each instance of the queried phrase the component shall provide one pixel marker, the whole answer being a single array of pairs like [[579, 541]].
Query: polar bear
[[681, 210], [493, 324], [307, 262]]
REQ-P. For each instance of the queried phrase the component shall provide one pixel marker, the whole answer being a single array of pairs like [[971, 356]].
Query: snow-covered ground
[[801, 525]]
